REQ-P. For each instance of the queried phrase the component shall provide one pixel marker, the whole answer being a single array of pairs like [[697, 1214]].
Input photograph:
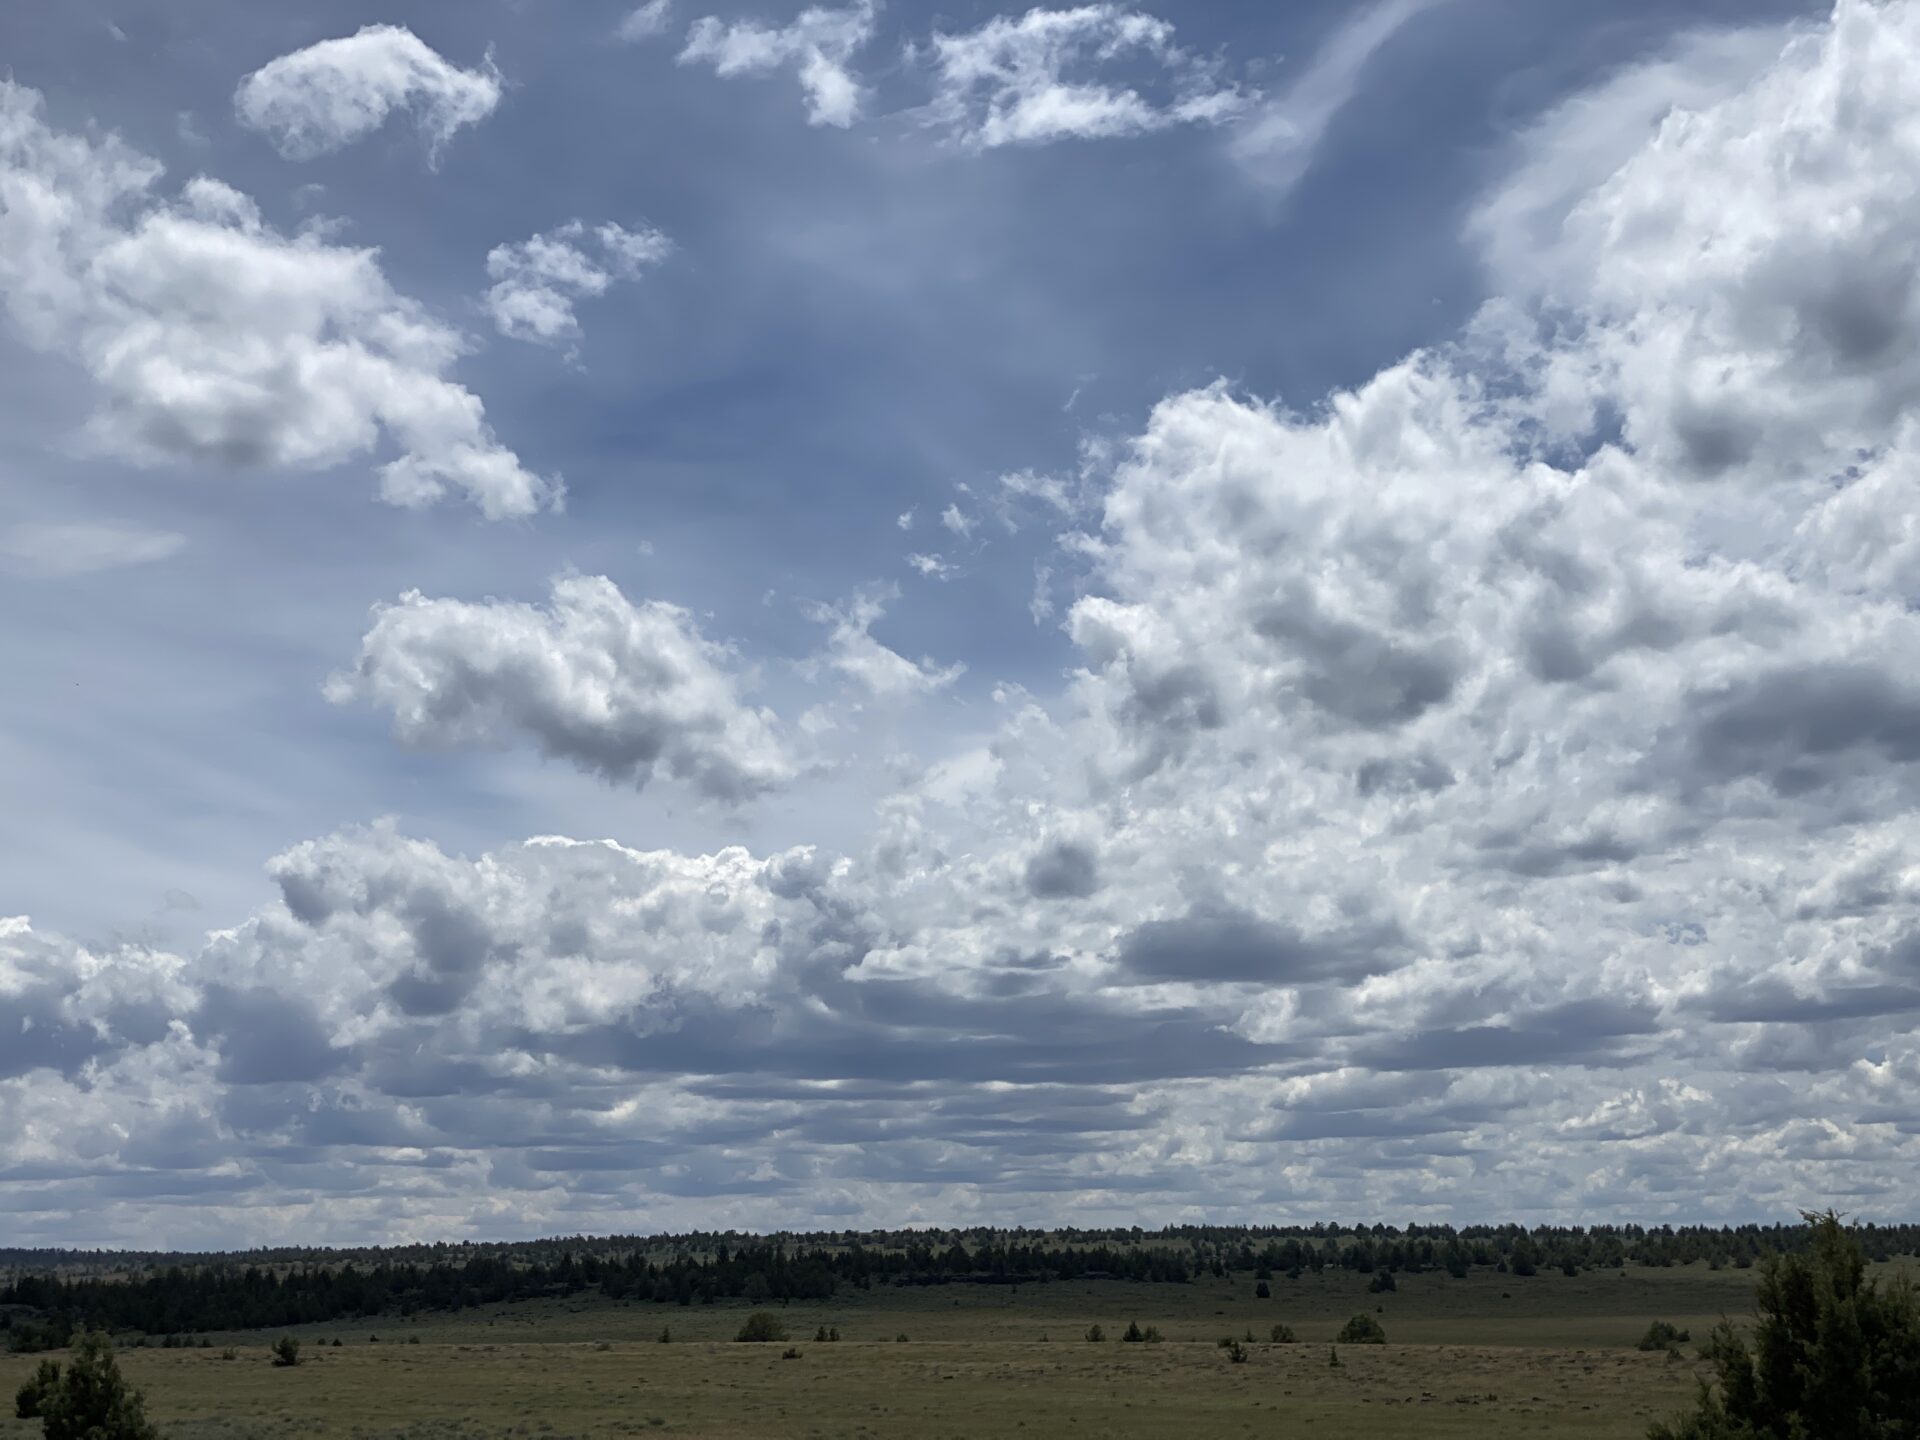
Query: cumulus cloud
[[646, 21], [314, 101], [1086, 73], [855, 654], [214, 339], [537, 282], [628, 692], [818, 47]]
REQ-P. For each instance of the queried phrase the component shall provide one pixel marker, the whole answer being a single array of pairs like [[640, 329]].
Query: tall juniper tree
[[1834, 1355]]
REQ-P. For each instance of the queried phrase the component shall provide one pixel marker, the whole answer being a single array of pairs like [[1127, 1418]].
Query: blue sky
[[1274, 539]]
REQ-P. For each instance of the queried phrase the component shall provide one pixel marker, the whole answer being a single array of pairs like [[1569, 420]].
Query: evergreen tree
[[90, 1400], [1834, 1355]]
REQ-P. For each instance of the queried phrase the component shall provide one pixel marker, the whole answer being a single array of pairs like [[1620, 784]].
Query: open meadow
[[1489, 1355]]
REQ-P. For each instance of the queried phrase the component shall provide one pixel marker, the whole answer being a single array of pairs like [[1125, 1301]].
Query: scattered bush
[[1362, 1329], [28, 1399], [761, 1326], [789, 1353], [1153, 1335], [1662, 1336], [1236, 1352], [901, 1338], [1834, 1354], [229, 1354], [1281, 1334], [286, 1351], [90, 1400]]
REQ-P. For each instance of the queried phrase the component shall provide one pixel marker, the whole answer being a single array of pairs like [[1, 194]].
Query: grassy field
[[1491, 1355]]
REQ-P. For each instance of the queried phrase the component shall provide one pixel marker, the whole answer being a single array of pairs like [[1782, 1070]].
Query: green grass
[[1491, 1356]]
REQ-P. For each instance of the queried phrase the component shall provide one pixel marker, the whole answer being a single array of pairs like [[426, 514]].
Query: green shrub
[[1834, 1355], [90, 1400], [28, 1399], [1281, 1335], [286, 1351], [1662, 1336], [1236, 1352], [761, 1326], [1362, 1329]]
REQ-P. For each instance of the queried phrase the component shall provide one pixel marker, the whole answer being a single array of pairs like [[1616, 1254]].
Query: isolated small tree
[[1281, 1334], [91, 1401], [286, 1351], [1153, 1335], [1263, 1291], [28, 1399], [666, 1336], [1333, 1358], [761, 1326], [1134, 1333], [1834, 1355], [1095, 1333], [1236, 1352], [1362, 1329], [1661, 1335], [1382, 1282]]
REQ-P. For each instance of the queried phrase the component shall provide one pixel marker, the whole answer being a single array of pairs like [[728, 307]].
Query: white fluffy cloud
[[625, 691], [1090, 72], [853, 653], [212, 338], [818, 46], [320, 99], [646, 21], [537, 282]]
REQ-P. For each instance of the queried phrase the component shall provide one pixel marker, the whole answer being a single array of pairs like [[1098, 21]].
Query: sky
[[727, 614]]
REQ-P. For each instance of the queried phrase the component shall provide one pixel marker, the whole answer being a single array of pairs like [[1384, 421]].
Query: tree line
[[42, 1309]]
